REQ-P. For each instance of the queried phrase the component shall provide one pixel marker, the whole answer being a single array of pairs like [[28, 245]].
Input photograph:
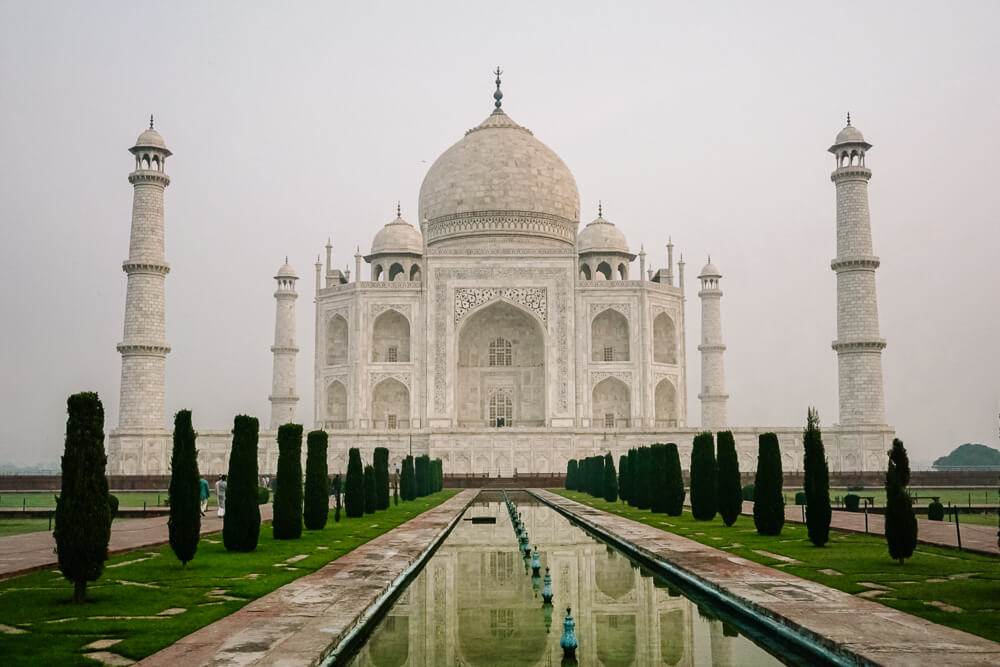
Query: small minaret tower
[[713, 394], [283, 397], [143, 347], [858, 345]]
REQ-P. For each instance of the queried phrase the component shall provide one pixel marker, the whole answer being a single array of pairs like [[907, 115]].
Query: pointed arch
[[395, 271], [612, 403], [609, 337], [336, 404], [664, 340], [391, 338], [415, 273], [603, 269], [585, 272], [390, 404], [665, 401], [623, 271], [337, 339]]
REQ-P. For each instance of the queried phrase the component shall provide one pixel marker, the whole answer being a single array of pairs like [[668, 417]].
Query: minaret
[[858, 345], [713, 394], [143, 347], [283, 397]]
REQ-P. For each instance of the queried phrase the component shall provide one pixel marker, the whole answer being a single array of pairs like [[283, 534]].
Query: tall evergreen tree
[[816, 481], [730, 488], [407, 483], [769, 504], [658, 501], [622, 476], [633, 477], [371, 492], [900, 522], [610, 480], [644, 478], [184, 524], [83, 522], [317, 494], [420, 475], [241, 523], [597, 476], [354, 486], [703, 477], [571, 470], [287, 523], [381, 465], [674, 481]]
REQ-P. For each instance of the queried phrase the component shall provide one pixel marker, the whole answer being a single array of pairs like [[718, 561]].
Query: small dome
[[150, 138], [398, 237], [286, 271], [849, 134], [601, 236], [709, 270]]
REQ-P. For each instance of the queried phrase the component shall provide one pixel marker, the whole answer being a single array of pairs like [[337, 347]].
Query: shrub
[[658, 501], [748, 492], [703, 477], [241, 523], [610, 480], [287, 523], [817, 482], [407, 483], [571, 473], [371, 491], [935, 511], [852, 502], [730, 493], [184, 524], [900, 522], [354, 486], [83, 512], [263, 495], [317, 493], [674, 481], [800, 498], [380, 461], [769, 504]]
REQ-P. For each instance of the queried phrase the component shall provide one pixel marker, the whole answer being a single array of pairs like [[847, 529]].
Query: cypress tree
[[730, 489], [571, 469], [407, 483], [816, 482], [354, 486], [381, 465], [658, 459], [644, 476], [633, 477], [317, 494], [420, 475], [184, 524], [597, 476], [83, 523], [241, 523], [768, 504], [438, 475], [703, 477], [371, 491], [287, 523], [900, 522], [610, 479], [622, 476], [674, 481]]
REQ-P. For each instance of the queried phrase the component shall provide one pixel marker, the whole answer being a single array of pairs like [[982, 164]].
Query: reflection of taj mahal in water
[[474, 604], [498, 335]]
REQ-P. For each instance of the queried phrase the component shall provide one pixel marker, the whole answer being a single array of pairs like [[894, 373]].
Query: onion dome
[[709, 270], [601, 236], [398, 238]]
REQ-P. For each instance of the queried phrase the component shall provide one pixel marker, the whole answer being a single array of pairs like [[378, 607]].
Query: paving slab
[[872, 632], [302, 622], [28, 552]]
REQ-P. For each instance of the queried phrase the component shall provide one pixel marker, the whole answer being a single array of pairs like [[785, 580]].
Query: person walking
[[220, 494], [205, 493]]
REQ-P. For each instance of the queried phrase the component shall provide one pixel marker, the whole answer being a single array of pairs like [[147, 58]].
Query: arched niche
[[611, 402], [391, 331], [623, 271], [415, 273], [336, 404], [603, 272], [336, 341], [397, 272], [613, 575], [665, 401], [376, 272], [520, 372], [674, 637], [389, 645], [616, 639], [390, 404], [609, 337], [664, 340]]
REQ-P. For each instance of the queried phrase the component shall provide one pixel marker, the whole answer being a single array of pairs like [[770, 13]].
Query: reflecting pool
[[475, 602]]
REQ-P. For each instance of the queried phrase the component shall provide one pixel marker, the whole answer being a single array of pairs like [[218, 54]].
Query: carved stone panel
[[532, 298]]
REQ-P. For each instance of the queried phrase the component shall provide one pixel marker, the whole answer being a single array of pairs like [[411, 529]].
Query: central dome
[[499, 181]]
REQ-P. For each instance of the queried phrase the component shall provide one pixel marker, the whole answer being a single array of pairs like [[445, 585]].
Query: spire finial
[[848, 119], [600, 209], [151, 121], [328, 243], [286, 259], [709, 258], [497, 96], [399, 213]]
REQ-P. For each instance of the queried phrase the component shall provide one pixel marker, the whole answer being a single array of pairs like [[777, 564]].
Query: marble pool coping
[[852, 629]]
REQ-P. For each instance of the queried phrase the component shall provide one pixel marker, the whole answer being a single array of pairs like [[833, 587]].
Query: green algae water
[[475, 602]]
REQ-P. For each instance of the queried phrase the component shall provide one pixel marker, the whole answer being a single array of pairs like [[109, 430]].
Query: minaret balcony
[[855, 263], [853, 172], [858, 345], [149, 176], [158, 268]]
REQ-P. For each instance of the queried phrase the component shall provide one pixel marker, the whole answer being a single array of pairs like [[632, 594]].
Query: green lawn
[[953, 588], [19, 526], [138, 596], [125, 499]]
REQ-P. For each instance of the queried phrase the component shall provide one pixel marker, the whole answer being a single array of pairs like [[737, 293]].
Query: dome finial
[[151, 121], [497, 96], [600, 209], [399, 212], [286, 259], [848, 119]]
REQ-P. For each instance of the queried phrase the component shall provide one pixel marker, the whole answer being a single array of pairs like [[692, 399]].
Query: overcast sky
[[707, 122]]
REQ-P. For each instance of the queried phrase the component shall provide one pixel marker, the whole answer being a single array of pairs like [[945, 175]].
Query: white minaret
[[713, 394], [858, 345], [283, 397], [143, 347]]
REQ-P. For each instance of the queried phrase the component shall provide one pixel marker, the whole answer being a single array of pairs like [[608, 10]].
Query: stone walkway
[[304, 621], [975, 538], [872, 631], [20, 554]]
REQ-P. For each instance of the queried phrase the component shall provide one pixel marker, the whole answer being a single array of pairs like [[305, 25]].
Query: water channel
[[475, 602]]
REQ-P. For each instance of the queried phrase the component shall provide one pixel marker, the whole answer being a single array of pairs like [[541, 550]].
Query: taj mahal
[[498, 333]]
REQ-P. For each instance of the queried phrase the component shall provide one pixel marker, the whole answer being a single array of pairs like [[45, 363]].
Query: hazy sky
[[708, 122]]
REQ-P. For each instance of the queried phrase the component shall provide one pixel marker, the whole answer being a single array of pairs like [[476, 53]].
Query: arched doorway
[[612, 403]]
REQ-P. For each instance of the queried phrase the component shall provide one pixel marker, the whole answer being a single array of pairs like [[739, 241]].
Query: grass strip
[[952, 588], [148, 601]]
